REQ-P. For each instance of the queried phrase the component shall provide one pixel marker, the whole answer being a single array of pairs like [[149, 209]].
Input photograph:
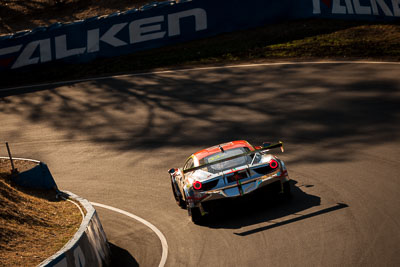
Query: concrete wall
[[89, 245]]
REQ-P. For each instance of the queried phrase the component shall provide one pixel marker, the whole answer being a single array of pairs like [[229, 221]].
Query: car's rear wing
[[279, 144]]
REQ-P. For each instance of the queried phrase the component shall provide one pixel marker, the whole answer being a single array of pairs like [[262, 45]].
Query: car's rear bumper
[[238, 190]]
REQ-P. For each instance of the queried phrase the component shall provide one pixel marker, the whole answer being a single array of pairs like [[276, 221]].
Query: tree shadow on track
[[121, 257], [261, 209], [310, 104]]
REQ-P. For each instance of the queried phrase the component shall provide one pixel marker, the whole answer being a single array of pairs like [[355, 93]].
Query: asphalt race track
[[112, 141]]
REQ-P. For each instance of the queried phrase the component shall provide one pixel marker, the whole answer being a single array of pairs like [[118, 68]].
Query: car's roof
[[226, 146]]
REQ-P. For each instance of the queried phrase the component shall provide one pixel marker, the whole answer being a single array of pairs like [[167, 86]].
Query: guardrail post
[[13, 170]]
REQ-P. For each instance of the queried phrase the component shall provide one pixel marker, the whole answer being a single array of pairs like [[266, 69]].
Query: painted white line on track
[[162, 238], [196, 69]]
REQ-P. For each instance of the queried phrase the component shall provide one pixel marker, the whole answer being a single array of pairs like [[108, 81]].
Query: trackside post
[[13, 170]]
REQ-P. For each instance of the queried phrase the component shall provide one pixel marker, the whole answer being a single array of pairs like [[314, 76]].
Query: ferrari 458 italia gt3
[[229, 170]]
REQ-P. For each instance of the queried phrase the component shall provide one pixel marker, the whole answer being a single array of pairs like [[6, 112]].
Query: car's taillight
[[197, 185], [273, 164]]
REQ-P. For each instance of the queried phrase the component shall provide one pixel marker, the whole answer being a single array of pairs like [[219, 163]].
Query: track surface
[[112, 141]]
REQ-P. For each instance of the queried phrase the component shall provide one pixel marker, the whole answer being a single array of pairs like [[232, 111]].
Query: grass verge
[[33, 224], [295, 40]]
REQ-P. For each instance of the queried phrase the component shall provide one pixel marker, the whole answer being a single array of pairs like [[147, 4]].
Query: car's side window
[[189, 164]]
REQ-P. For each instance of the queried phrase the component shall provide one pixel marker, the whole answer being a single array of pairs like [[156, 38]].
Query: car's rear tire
[[287, 193], [181, 203], [195, 215]]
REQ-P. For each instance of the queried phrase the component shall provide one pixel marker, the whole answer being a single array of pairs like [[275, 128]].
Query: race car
[[229, 170]]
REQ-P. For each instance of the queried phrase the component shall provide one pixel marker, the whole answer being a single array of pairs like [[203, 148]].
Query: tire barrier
[[166, 23]]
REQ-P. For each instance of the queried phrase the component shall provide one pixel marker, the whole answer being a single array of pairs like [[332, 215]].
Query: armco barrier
[[167, 23], [89, 245]]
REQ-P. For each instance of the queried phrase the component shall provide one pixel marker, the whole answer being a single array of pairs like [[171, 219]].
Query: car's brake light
[[273, 164], [197, 185]]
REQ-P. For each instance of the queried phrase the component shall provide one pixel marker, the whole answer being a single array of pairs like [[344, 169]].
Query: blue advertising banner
[[167, 23], [381, 10]]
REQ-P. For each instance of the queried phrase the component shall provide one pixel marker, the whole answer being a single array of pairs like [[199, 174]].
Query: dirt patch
[[33, 223]]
